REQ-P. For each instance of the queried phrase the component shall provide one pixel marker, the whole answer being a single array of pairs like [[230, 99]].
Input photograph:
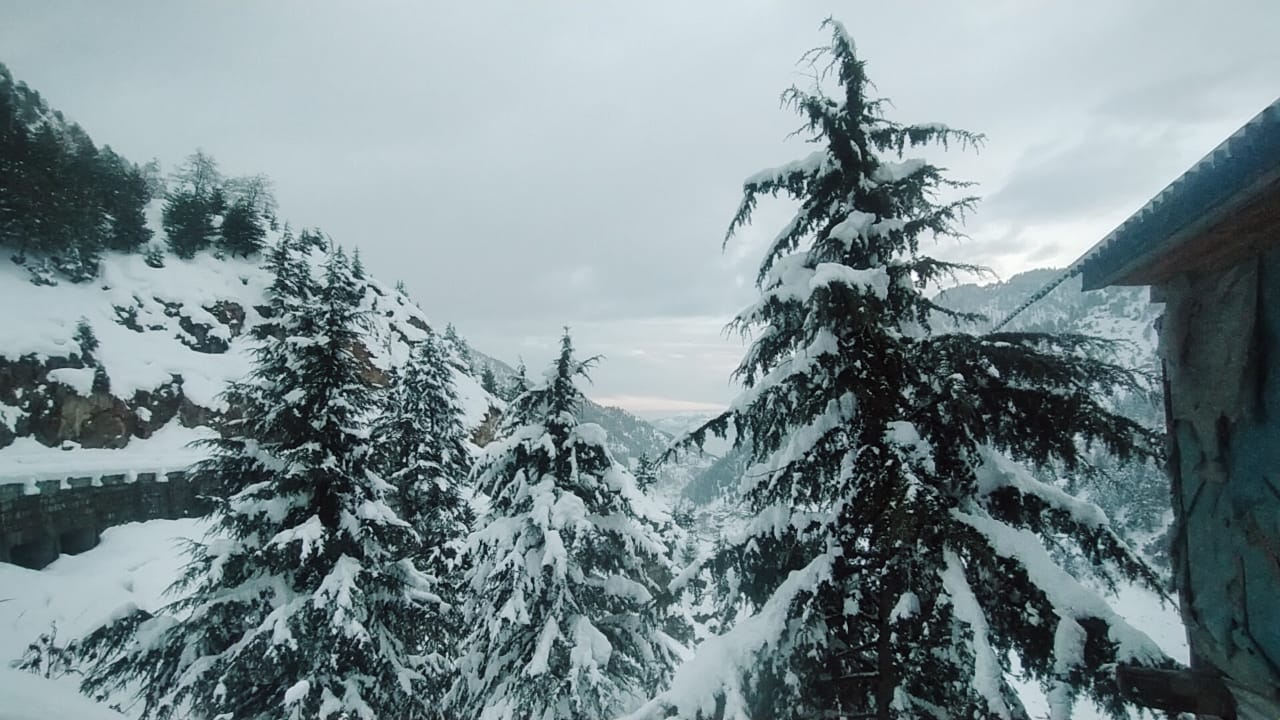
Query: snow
[[159, 301], [891, 171], [716, 668], [78, 379], [908, 606], [874, 279], [591, 434], [169, 449], [852, 227], [591, 650], [25, 696], [997, 471], [1070, 598], [135, 360], [811, 164], [539, 663], [136, 562], [986, 664], [133, 564]]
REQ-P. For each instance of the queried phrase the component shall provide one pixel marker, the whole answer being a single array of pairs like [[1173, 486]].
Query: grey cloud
[[526, 165]]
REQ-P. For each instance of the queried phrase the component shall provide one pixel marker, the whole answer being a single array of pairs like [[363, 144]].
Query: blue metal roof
[[1231, 174]]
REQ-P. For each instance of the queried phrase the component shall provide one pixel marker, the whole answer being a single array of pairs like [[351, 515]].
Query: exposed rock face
[[229, 314], [369, 372], [154, 408], [192, 415], [53, 413]]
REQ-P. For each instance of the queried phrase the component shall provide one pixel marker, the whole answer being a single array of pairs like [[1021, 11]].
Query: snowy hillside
[[168, 340], [165, 343], [1125, 314]]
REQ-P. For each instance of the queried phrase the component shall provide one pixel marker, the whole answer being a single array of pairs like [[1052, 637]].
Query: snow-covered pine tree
[[303, 603], [646, 472], [897, 557], [564, 572], [518, 383], [422, 452], [259, 417], [423, 445]]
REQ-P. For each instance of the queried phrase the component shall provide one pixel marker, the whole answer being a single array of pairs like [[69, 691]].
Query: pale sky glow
[[524, 166]]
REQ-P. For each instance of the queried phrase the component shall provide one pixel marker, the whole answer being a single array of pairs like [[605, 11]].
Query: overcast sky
[[528, 165]]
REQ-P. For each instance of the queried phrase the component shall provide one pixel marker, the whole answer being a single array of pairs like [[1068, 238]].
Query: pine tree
[[565, 570], [518, 384], [357, 265], [646, 472], [489, 381], [192, 207], [242, 231], [899, 555], [125, 194], [305, 605], [459, 349], [423, 453], [188, 223]]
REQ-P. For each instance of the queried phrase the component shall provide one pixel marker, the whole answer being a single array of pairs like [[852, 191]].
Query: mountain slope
[[109, 358], [144, 353]]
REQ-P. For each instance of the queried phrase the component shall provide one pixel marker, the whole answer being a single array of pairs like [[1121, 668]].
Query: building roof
[[1226, 205]]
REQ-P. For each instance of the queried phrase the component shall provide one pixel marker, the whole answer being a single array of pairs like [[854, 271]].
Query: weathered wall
[[1220, 342], [67, 516]]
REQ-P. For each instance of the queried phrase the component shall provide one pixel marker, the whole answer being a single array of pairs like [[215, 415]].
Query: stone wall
[[42, 520]]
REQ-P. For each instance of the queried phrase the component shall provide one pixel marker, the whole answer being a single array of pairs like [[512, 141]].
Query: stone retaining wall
[[41, 520]]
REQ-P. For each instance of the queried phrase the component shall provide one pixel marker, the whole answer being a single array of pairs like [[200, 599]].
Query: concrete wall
[[67, 516], [1220, 343]]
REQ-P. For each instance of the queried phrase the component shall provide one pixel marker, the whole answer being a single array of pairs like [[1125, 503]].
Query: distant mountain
[[678, 425], [1124, 314]]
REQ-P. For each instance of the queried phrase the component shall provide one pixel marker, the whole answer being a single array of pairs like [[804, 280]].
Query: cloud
[[522, 166]]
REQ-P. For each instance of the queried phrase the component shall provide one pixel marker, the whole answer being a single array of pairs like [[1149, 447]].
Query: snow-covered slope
[[168, 341], [24, 696], [1125, 314]]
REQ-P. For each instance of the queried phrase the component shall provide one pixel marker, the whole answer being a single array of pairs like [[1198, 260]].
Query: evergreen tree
[[126, 193], [423, 453], [62, 200], [192, 208], [357, 265], [518, 384], [646, 472], [306, 604], [489, 381], [898, 555], [292, 283], [242, 231], [460, 350], [188, 222], [565, 571]]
